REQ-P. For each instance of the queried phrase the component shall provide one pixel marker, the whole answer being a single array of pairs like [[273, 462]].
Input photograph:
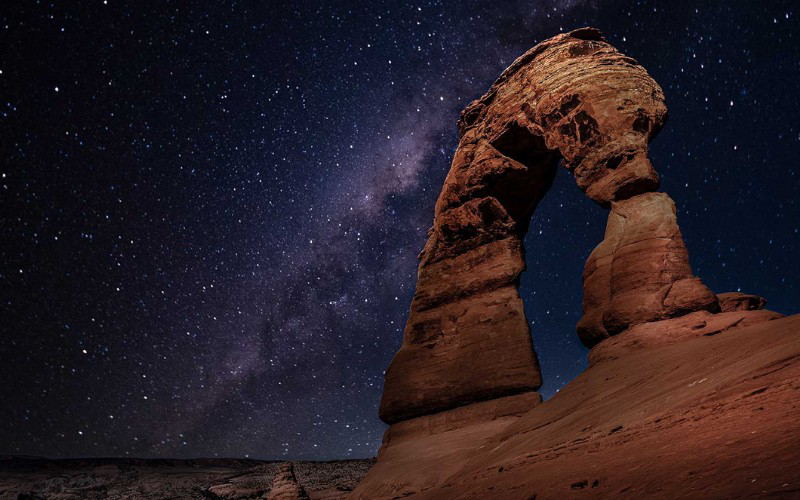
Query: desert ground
[[66, 479]]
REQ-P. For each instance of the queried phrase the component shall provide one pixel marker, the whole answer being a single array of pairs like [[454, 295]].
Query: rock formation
[[736, 301], [640, 272], [714, 416], [575, 99], [467, 369], [285, 485]]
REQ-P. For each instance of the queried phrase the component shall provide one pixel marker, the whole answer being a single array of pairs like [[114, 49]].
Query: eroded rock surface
[[737, 301], [640, 271], [467, 339], [285, 485], [574, 99], [422, 451], [460, 393], [671, 331], [712, 416]]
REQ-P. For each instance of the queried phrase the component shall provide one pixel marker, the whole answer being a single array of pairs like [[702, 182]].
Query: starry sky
[[211, 211]]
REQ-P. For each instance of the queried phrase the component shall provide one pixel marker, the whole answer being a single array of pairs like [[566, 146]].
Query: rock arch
[[573, 98]]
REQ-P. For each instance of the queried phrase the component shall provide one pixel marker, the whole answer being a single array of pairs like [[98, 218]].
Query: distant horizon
[[182, 459], [215, 212]]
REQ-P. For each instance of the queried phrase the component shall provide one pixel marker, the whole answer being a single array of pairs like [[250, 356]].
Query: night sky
[[211, 214]]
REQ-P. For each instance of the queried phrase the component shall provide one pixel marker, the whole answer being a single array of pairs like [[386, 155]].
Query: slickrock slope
[[425, 450], [672, 331], [711, 417], [460, 394]]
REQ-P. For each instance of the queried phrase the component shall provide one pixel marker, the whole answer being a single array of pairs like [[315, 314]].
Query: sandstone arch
[[572, 98]]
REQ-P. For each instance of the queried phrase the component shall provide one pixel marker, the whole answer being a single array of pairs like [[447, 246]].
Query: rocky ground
[[41, 478], [716, 415]]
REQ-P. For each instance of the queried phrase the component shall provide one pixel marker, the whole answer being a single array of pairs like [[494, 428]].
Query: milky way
[[211, 215]]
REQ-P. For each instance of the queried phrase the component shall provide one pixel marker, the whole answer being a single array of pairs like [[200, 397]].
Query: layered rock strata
[[640, 271], [467, 338], [285, 485], [737, 301], [461, 392], [572, 99]]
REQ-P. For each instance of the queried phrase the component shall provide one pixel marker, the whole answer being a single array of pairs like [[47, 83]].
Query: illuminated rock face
[[640, 271], [575, 99]]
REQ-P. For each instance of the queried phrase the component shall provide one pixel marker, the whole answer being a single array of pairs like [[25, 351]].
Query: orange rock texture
[[574, 99], [460, 394]]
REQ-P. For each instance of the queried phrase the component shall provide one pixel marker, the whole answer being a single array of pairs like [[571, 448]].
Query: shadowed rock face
[[574, 99], [27, 477]]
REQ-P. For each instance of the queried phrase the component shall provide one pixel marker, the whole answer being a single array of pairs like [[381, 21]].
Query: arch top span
[[573, 98], [592, 104]]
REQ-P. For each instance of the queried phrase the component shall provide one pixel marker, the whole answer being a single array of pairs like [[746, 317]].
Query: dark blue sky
[[211, 214]]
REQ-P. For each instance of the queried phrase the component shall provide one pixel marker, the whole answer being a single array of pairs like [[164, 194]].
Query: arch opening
[[521, 192], [467, 339]]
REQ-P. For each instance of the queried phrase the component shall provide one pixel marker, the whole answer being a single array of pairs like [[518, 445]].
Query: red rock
[[467, 338], [640, 272], [635, 423], [597, 284], [430, 446], [549, 101], [494, 357], [457, 418], [709, 417], [735, 301], [671, 331], [285, 485]]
